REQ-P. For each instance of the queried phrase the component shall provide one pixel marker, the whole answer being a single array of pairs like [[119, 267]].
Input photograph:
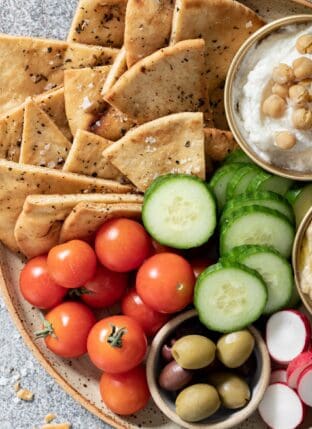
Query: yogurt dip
[[305, 263], [252, 84]]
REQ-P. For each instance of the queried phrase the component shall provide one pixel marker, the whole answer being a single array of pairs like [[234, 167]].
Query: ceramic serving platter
[[79, 377]]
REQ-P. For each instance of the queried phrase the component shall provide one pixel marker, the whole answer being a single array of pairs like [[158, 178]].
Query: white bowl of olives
[[203, 379]]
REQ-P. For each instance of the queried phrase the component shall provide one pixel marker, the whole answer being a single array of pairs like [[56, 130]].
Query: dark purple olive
[[166, 353], [173, 377]]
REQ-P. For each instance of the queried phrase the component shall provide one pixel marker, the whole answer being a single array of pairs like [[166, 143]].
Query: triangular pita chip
[[170, 80], [38, 226], [223, 24], [43, 143], [99, 22], [218, 143], [27, 67], [78, 56], [118, 68], [11, 128], [112, 125], [86, 218], [17, 181], [148, 27], [83, 99], [85, 157], [172, 144], [218, 110]]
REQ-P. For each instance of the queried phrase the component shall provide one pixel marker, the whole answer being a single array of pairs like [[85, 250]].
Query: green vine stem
[[115, 337]]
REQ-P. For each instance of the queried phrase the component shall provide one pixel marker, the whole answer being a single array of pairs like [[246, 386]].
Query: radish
[[296, 367], [304, 386], [288, 333], [281, 407], [279, 375]]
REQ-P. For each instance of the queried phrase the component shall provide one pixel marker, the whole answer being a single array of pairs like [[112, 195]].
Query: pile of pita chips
[[218, 144]]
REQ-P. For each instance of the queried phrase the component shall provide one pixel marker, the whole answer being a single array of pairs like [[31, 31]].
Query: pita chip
[[112, 125], [17, 181], [118, 68], [170, 80], [78, 56], [43, 143], [85, 157], [223, 24], [83, 99], [218, 110], [218, 144], [39, 225], [147, 28], [86, 218], [99, 22], [11, 128], [172, 144]]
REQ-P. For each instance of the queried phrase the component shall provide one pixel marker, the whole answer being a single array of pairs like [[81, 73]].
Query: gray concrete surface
[[45, 18]]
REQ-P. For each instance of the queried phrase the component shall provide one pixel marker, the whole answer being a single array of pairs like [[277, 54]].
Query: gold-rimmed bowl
[[232, 94]]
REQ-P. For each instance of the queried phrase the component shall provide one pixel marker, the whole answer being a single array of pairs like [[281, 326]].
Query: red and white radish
[[281, 407], [288, 333], [278, 376], [305, 386], [296, 367]]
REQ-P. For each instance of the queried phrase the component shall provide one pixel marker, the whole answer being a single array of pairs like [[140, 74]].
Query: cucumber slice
[[292, 195], [220, 180], [257, 225], [240, 180], [237, 156], [179, 211], [265, 198], [229, 296], [267, 182], [302, 203], [274, 269]]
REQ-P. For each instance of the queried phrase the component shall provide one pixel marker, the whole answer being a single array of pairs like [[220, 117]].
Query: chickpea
[[281, 90], [302, 68], [299, 95], [285, 140], [283, 74], [302, 119], [274, 106], [304, 44]]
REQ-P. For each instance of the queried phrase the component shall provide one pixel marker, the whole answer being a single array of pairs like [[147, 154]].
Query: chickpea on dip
[[273, 97]]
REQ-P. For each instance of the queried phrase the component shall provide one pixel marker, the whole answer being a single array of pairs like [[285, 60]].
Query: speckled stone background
[[43, 18]]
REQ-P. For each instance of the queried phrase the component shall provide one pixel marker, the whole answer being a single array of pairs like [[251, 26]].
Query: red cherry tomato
[[117, 344], [200, 264], [150, 320], [160, 248], [37, 287], [104, 289], [72, 264], [66, 328], [166, 282], [125, 393], [122, 244]]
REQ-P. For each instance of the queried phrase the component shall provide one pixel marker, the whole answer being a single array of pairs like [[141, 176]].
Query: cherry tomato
[[66, 328], [72, 264], [37, 287], [166, 282], [125, 393], [122, 244], [160, 248], [104, 289], [117, 344], [200, 264], [150, 320]]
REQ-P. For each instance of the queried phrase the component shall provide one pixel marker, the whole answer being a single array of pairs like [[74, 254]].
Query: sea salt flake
[[51, 164], [86, 103], [248, 24], [150, 140]]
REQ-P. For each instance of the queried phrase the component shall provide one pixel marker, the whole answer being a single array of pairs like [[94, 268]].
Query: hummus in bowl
[[268, 97]]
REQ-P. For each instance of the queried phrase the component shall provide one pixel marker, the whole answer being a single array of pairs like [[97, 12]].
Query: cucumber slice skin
[[207, 214], [240, 181], [237, 156], [267, 215], [279, 280], [206, 314], [263, 198], [267, 182], [292, 195]]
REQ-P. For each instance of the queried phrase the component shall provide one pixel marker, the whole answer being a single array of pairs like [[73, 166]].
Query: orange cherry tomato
[[72, 264], [166, 282], [150, 320], [125, 393], [117, 344], [200, 264], [66, 327], [37, 287], [122, 244]]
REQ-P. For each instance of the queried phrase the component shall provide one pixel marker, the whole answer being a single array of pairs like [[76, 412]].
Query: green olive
[[197, 402], [234, 349], [193, 351], [233, 390]]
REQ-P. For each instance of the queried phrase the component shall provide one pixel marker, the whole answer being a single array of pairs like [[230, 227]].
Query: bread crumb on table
[[25, 395], [49, 417], [57, 426]]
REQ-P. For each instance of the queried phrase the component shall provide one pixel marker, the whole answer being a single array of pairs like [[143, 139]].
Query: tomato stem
[[47, 329], [73, 293], [115, 337]]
